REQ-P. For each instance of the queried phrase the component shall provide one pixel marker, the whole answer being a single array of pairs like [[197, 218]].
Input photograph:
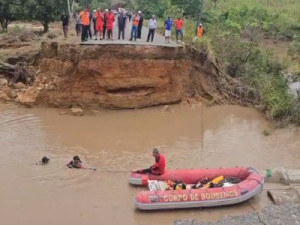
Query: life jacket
[[85, 18], [199, 32], [136, 20]]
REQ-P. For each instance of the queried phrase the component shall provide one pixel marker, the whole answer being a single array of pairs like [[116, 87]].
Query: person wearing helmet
[[159, 166], [200, 31]]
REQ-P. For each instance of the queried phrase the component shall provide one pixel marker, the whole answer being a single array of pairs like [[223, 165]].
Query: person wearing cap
[[135, 24], [159, 166], [99, 17], [200, 31], [168, 27], [121, 24], [110, 18], [152, 26], [178, 26], [140, 26], [85, 22]]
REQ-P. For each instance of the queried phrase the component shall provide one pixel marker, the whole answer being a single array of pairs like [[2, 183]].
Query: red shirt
[[160, 164], [99, 17], [178, 24], [110, 18]]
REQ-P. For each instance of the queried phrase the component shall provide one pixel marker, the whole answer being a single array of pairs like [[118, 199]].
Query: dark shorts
[[179, 32]]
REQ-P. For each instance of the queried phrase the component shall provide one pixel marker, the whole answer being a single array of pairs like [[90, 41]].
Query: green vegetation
[[45, 11], [236, 33]]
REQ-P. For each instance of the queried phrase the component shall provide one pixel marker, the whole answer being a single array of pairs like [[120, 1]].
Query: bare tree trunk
[[69, 9]]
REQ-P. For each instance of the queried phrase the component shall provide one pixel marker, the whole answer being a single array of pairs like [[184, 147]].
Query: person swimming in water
[[75, 163], [44, 161]]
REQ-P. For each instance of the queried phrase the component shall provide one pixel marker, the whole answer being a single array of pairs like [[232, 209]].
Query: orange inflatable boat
[[251, 183]]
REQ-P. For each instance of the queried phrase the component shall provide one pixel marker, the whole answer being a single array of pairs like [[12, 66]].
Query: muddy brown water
[[189, 137]]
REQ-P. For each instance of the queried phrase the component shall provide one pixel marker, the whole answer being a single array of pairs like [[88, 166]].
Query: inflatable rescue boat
[[250, 183]]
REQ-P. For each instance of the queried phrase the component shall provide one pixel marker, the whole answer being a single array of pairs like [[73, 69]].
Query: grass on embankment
[[236, 33]]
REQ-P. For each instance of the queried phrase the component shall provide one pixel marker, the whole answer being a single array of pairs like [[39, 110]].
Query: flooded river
[[116, 142]]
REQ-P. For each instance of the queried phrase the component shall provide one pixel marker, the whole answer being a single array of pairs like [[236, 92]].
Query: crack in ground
[[256, 214]]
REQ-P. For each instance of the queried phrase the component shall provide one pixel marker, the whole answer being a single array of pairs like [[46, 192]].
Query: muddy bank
[[288, 214], [124, 76]]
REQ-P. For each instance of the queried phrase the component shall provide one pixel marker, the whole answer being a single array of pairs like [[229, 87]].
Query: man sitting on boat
[[159, 166]]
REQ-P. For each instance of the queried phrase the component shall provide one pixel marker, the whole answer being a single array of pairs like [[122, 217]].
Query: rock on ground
[[288, 214], [28, 98], [3, 82], [4, 97], [77, 111]]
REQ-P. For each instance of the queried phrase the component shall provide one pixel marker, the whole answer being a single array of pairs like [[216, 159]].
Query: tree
[[45, 11], [150, 7], [190, 7], [10, 11]]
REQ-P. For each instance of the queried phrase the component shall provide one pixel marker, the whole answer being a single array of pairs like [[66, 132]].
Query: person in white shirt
[[152, 26]]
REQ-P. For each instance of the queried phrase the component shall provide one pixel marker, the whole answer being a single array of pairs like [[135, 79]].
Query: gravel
[[288, 214]]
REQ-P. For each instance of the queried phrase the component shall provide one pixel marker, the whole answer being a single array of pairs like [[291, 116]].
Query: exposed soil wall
[[125, 76]]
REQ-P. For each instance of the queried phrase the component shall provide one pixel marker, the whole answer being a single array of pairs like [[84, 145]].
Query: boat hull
[[251, 184]]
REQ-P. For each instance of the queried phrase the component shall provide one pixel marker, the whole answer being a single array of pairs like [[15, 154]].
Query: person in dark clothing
[[75, 163], [140, 26], [104, 23], [44, 161], [94, 22], [65, 24], [122, 24], [91, 18], [129, 14]]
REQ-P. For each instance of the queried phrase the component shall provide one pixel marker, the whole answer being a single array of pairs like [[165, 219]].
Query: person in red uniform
[[110, 18], [99, 16], [159, 166]]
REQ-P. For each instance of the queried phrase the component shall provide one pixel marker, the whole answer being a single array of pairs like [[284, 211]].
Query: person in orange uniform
[[110, 19], [178, 26], [199, 31], [85, 23], [99, 16], [159, 166], [135, 24]]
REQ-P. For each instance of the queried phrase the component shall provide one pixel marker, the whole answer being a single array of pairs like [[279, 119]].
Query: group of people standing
[[103, 24]]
